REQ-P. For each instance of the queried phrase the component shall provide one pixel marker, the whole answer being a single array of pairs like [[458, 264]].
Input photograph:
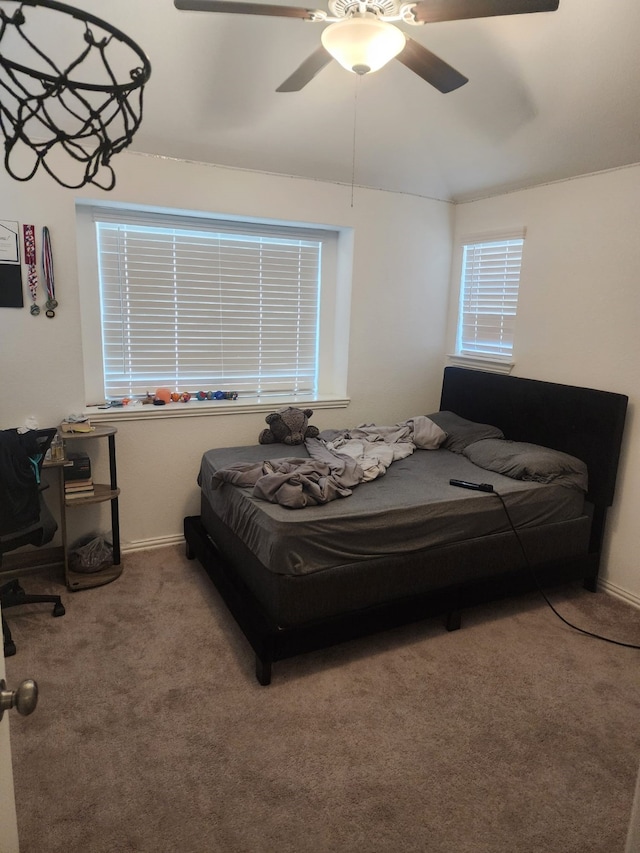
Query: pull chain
[[353, 153]]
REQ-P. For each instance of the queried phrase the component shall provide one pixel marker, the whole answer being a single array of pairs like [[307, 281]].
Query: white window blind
[[489, 296], [194, 304]]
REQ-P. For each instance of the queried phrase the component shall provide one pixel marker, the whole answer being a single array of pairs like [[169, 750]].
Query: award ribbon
[[47, 270], [29, 233]]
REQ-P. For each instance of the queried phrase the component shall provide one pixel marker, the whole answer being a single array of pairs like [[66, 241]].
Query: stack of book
[[78, 425], [78, 482]]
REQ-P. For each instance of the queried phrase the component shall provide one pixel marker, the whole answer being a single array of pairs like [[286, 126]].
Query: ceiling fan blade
[[430, 67], [241, 8], [432, 11], [307, 71]]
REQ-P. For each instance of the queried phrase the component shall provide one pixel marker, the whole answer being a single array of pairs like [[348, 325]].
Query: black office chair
[[24, 516]]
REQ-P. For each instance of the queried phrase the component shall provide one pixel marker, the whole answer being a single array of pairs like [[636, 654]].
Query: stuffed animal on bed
[[288, 426]]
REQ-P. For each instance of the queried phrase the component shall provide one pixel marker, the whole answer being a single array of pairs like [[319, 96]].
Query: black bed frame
[[584, 422]]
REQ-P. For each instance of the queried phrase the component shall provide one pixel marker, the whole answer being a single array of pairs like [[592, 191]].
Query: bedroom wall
[[579, 314], [401, 266]]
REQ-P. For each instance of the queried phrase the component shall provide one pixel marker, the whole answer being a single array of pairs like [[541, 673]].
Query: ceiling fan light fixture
[[362, 43]]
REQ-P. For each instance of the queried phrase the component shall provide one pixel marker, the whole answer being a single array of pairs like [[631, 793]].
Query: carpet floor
[[515, 734]]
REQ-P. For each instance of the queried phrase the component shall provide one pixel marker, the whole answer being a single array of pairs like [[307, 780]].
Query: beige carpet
[[513, 735]]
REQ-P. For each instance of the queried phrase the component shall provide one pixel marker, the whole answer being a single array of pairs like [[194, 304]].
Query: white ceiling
[[550, 96]]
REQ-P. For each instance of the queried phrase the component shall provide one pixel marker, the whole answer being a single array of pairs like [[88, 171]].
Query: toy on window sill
[[288, 426], [163, 396], [217, 395]]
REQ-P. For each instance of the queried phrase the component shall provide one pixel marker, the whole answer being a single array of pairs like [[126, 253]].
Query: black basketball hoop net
[[52, 107]]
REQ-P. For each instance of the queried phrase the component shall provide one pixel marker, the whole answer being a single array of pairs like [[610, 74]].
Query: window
[[192, 304], [489, 295]]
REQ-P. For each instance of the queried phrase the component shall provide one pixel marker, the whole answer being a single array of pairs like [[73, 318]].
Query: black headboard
[[584, 422]]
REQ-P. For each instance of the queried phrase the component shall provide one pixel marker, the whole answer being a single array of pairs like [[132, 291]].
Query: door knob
[[24, 699]]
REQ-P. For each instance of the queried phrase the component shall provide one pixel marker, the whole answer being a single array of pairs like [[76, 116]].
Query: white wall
[[402, 249], [579, 314]]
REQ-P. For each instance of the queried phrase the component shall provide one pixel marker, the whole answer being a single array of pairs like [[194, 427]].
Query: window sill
[[207, 408], [478, 362]]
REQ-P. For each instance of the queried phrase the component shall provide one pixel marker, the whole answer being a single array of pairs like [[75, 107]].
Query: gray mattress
[[412, 509]]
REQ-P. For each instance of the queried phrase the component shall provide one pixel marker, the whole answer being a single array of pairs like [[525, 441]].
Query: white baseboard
[[619, 592], [148, 544]]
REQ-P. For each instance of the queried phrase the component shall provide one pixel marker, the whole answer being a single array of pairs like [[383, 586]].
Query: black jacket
[[19, 500]]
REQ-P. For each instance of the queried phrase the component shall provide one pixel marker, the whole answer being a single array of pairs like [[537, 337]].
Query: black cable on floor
[[544, 595]]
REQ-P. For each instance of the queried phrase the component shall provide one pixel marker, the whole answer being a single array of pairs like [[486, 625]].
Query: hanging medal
[[47, 269], [29, 233]]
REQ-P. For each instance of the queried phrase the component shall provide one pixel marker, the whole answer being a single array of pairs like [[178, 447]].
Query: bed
[[409, 545]]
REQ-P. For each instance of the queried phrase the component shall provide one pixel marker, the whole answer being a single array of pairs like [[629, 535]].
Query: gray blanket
[[294, 483], [339, 461]]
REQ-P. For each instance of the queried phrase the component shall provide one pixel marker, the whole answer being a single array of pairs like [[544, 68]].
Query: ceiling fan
[[362, 37]]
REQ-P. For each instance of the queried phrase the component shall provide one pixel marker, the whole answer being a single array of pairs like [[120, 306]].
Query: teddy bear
[[288, 426]]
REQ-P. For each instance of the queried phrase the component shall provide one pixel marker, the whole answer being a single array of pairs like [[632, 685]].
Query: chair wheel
[[59, 610], [9, 649]]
